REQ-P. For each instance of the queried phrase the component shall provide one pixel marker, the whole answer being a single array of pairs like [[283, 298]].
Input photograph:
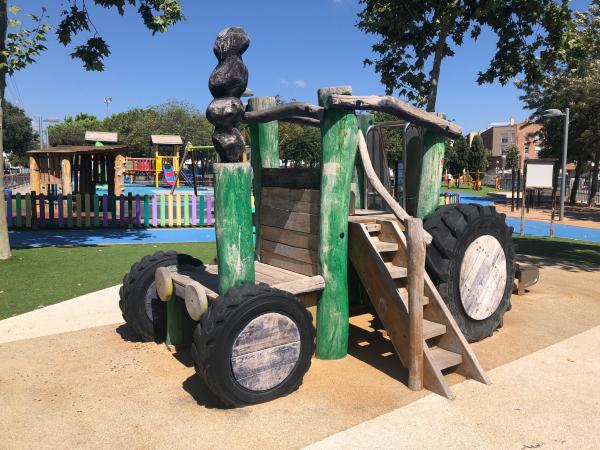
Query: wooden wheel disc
[[265, 351], [482, 277]]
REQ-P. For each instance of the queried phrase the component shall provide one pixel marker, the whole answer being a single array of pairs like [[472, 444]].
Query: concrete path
[[90, 310], [548, 399]]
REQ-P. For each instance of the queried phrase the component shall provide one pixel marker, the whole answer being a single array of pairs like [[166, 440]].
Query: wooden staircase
[[378, 251]]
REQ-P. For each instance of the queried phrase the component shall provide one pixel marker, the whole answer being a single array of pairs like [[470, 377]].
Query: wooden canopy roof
[[102, 136], [80, 149], [166, 139]]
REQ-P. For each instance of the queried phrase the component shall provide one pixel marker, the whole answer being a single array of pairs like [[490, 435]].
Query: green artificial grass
[[466, 189], [43, 276]]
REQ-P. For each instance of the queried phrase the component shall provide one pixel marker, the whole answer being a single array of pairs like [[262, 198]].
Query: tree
[[456, 158], [21, 47], [477, 159], [575, 83], [136, 125], [19, 136], [72, 130], [414, 34], [513, 158]]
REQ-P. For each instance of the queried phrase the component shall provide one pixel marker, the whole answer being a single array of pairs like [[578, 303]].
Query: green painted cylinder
[[339, 133], [264, 143], [432, 164], [233, 225]]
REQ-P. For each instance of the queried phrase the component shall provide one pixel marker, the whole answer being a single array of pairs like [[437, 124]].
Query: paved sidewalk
[[90, 310], [549, 399]]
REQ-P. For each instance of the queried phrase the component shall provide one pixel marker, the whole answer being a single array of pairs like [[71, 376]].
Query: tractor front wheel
[[140, 305], [253, 345], [472, 262]]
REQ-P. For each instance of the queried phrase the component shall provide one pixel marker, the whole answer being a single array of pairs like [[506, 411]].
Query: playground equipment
[[191, 149], [246, 318], [77, 169]]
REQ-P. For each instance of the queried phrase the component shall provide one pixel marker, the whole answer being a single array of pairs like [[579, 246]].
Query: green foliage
[[414, 36], [18, 135], [299, 144], [574, 84], [513, 158], [157, 15], [478, 156], [72, 130], [136, 125], [457, 156], [25, 43], [392, 139]]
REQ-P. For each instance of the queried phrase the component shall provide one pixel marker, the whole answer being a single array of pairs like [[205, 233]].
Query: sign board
[[539, 173]]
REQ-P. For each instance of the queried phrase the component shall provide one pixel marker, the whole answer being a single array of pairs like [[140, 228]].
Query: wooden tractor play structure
[[434, 287]]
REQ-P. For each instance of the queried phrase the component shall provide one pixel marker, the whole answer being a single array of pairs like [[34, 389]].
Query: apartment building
[[499, 137]]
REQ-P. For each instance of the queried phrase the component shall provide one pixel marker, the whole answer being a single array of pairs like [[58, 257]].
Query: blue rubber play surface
[[538, 228], [152, 190], [47, 238]]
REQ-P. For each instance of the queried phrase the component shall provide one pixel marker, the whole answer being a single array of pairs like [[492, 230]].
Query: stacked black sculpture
[[227, 83]]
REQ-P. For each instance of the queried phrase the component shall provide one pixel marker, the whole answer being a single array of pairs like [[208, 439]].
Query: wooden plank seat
[[201, 287]]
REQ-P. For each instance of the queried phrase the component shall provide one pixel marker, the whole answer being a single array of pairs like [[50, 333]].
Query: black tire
[[226, 319], [454, 228], [139, 302]]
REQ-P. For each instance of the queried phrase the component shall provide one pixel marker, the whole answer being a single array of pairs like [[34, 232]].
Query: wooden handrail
[[398, 211], [416, 249]]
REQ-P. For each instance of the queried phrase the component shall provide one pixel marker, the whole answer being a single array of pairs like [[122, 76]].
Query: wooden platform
[[304, 286]]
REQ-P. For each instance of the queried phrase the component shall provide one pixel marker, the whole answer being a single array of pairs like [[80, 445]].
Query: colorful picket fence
[[32, 211]]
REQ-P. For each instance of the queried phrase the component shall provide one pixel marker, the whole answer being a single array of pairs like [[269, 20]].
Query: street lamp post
[[563, 178], [108, 101]]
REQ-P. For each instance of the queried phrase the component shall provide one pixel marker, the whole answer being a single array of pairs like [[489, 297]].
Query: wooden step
[[432, 329], [372, 227], [404, 295], [444, 358], [396, 271], [383, 246]]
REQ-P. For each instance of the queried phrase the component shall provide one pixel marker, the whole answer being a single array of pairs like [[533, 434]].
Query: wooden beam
[[416, 280], [398, 108], [283, 111], [264, 143], [233, 214], [35, 184], [302, 285], [339, 138]]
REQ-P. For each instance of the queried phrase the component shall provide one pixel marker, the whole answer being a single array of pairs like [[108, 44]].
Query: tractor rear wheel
[[472, 262], [253, 345], [140, 305]]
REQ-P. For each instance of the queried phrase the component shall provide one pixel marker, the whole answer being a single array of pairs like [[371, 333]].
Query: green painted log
[[233, 226], [264, 143], [431, 167], [339, 140], [364, 122], [180, 326]]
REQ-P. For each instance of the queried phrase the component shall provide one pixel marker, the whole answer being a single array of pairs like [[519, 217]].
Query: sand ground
[[97, 387]]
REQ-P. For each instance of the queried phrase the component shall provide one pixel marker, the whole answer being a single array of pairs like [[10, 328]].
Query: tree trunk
[[578, 170], [594, 187], [4, 242], [434, 75]]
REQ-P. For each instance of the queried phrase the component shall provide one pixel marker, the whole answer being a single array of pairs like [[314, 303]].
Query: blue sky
[[296, 47]]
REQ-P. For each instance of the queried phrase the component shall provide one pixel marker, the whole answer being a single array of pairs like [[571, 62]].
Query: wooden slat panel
[[300, 254], [290, 237], [294, 195], [288, 263], [279, 218], [292, 178], [281, 202]]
